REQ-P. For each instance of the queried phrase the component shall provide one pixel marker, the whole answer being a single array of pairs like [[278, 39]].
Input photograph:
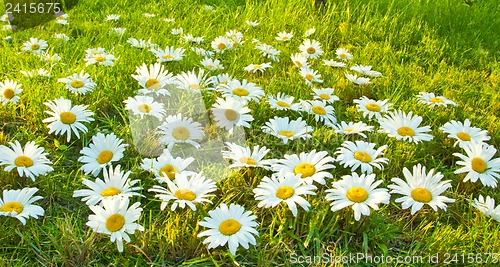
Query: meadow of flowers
[[240, 133]]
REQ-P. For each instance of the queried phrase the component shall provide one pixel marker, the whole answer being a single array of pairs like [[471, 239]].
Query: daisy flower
[[33, 73], [62, 19], [102, 152], [50, 58], [404, 126], [202, 52], [283, 102], [268, 51], [361, 154], [334, 64], [116, 184], [9, 91], [325, 94], [464, 133], [309, 32], [139, 43], [433, 100], [113, 17], [185, 190], [253, 23], [153, 80], [243, 90], [30, 161], [119, 31], [166, 167], [19, 204], [421, 188], [221, 44], [169, 20], [79, 83], [311, 48], [177, 129], [177, 31], [230, 113], [258, 67], [6, 17], [343, 54], [219, 80], [310, 75], [284, 36], [61, 36], [283, 187], [352, 128], [312, 166], [192, 81], [235, 37], [149, 15], [357, 80], [168, 54], [67, 118], [211, 64], [299, 60], [145, 106], [246, 157], [372, 108], [286, 129], [35, 45], [232, 225], [366, 70], [117, 219], [479, 164], [358, 191], [98, 56], [487, 207], [321, 111]]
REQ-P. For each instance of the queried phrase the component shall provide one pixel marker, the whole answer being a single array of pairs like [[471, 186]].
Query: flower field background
[[444, 47]]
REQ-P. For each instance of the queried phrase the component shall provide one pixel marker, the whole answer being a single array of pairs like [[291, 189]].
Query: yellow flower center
[[104, 157], [169, 171], [23, 161], [231, 115], [284, 38], [60, 17], [195, 86], [373, 107], [67, 117], [311, 50], [348, 130], [286, 133], [144, 108], [168, 57], [343, 56], [282, 104], [298, 63], [12, 206], [180, 133], [285, 192], [309, 77], [436, 100], [257, 67], [76, 84], [362, 156], [229, 227], [100, 59], [319, 110], [112, 191], [240, 92], [247, 160], [305, 169], [421, 195], [210, 66], [357, 194], [153, 84], [324, 96], [185, 194], [115, 222], [478, 165], [8, 93], [221, 46], [463, 136], [35, 46], [406, 131]]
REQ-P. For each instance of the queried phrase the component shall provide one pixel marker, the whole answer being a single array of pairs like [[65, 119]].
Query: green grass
[[445, 47]]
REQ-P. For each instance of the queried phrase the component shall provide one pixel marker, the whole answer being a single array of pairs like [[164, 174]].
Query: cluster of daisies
[[290, 180]]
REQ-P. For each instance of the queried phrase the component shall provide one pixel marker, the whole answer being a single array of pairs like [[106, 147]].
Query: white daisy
[[464, 133], [145, 106], [79, 83], [98, 56], [102, 152], [212, 64], [113, 17], [357, 80], [479, 164], [153, 80], [258, 67], [61, 36], [219, 80], [487, 207], [149, 15], [352, 128], [116, 184], [35, 45], [421, 188], [177, 129], [284, 36], [245, 91], [310, 75], [30, 161], [166, 167], [343, 54], [221, 44], [246, 157], [283, 102], [309, 32], [177, 31], [366, 70], [404, 126], [119, 31], [232, 225], [62, 19], [268, 51], [9, 91], [334, 64], [321, 111], [433, 100], [230, 113], [325, 94], [192, 81], [169, 20], [312, 166], [358, 191], [299, 60], [168, 54], [50, 58], [19, 204], [311, 48], [67, 118], [202, 52], [253, 23], [139, 43], [372, 108], [117, 219], [283, 187], [286, 129], [235, 37], [33, 73], [361, 154], [185, 190]]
